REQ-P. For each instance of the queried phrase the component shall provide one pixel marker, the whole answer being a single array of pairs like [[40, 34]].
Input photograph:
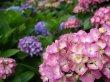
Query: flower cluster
[[7, 67], [85, 4], [78, 9], [40, 28], [101, 17], [72, 22], [30, 45], [80, 55], [52, 3]]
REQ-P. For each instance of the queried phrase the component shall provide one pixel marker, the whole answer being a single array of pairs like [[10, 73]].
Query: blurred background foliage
[[15, 25]]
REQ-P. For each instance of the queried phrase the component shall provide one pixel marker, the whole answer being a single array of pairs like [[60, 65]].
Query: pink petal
[[87, 78], [106, 70], [95, 64]]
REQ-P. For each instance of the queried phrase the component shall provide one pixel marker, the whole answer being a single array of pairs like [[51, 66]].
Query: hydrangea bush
[[55, 41]]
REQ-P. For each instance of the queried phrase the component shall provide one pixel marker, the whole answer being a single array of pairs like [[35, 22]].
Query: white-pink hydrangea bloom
[[71, 57], [7, 67], [72, 23], [101, 17]]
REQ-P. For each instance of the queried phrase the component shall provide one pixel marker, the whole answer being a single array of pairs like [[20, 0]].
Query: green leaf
[[22, 27], [45, 40], [28, 67], [79, 80], [4, 25], [87, 24], [14, 18], [9, 33], [9, 53], [23, 77], [5, 37], [17, 79], [49, 39], [21, 55], [26, 76], [1, 81]]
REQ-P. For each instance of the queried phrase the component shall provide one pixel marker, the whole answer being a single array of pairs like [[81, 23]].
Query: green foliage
[[87, 24], [9, 53], [23, 77]]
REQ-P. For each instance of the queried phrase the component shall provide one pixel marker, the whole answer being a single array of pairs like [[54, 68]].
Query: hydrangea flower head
[[30, 45], [40, 28], [78, 9], [72, 23], [101, 17], [70, 56], [7, 67]]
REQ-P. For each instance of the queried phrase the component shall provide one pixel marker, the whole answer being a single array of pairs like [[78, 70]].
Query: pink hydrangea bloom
[[7, 67], [83, 5], [101, 17], [72, 23], [78, 9], [80, 55], [30, 1]]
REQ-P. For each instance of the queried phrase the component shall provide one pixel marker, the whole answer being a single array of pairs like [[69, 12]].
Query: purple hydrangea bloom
[[30, 45], [40, 28]]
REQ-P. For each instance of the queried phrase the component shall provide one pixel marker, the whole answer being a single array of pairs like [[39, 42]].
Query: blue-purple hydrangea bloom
[[61, 26], [40, 28], [28, 6], [30, 45]]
